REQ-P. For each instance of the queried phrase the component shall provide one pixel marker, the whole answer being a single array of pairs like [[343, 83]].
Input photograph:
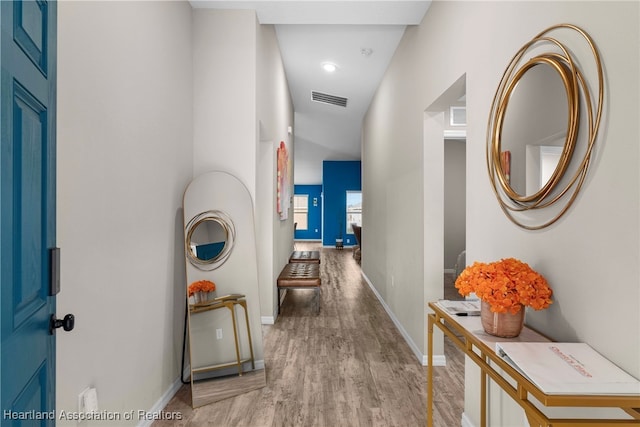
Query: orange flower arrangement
[[201, 286], [506, 285]]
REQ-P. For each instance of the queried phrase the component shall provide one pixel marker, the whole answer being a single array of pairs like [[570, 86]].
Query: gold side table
[[230, 302]]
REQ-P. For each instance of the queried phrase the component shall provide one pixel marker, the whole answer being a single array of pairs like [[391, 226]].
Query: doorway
[[307, 212], [445, 185], [454, 224], [454, 214]]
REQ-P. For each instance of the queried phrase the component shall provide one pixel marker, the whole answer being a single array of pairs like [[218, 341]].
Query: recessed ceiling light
[[329, 67]]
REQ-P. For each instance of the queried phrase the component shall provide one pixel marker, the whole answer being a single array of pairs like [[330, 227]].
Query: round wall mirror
[[535, 126], [209, 239]]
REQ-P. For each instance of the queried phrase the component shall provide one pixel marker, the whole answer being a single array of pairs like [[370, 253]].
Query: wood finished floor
[[347, 366]]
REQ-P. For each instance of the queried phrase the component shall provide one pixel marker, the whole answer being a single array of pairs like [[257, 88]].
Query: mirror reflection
[[534, 128], [208, 239], [223, 346], [541, 162]]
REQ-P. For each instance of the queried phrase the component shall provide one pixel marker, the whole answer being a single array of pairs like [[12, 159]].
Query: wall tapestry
[[284, 180]]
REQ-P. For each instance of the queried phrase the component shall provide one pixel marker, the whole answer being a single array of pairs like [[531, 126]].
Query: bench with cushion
[[299, 275], [305, 256]]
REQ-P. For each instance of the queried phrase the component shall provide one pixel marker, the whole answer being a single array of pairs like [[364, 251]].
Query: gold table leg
[[243, 303], [231, 306], [483, 397], [430, 373]]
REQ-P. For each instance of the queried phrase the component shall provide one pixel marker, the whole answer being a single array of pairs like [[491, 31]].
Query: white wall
[[242, 109], [275, 116], [124, 159], [224, 94], [145, 106], [591, 256]]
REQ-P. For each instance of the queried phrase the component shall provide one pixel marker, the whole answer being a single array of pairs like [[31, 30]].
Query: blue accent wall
[[338, 177], [314, 230]]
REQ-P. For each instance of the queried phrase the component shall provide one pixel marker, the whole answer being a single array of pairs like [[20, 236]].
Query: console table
[[467, 334], [229, 302]]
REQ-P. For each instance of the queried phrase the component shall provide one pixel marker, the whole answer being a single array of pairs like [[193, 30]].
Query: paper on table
[[567, 368], [461, 308]]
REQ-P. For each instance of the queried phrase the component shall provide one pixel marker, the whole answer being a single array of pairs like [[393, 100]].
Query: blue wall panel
[[338, 177], [314, 229]]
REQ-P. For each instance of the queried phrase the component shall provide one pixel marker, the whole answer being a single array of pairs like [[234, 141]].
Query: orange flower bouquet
[[201, 286], [506, 285]]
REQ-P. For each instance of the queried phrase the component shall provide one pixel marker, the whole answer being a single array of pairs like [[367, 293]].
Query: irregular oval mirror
[[534, 129], [209, 239], [535, 126]]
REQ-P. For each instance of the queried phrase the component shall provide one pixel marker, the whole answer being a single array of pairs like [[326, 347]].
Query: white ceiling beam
[[352, 12]]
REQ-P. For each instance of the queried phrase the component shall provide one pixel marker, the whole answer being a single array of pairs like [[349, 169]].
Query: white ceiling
[[311, 33]]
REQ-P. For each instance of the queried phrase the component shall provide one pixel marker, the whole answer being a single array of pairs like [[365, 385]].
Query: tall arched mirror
[[223, 317]]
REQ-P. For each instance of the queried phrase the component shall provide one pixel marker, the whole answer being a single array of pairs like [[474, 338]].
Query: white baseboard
[[438, 359], [162, 402], [271, 320]]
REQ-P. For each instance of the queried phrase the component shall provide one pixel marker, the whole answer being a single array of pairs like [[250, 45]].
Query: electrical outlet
[[218, 334], [88, 400], [81, 399], [348, 240]]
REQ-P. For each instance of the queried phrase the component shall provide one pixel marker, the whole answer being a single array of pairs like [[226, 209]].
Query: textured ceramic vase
[[504, 325], [201, 297]]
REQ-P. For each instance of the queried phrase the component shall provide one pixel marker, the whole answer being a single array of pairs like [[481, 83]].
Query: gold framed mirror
[[209, 239], [535, 129]]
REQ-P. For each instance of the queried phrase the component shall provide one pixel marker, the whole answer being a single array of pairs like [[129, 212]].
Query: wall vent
[[458, 116], [328, 99]]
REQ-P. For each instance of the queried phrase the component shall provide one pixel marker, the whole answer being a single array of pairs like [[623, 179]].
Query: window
[[301, 211], [354, 209]]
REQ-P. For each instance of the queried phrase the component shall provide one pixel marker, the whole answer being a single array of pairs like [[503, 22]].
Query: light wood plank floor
[[347, 366]]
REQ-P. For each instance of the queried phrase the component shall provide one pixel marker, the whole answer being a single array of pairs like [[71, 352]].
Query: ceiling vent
[[328, 99]]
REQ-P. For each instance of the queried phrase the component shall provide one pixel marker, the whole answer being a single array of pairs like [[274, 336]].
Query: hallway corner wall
[[124, 159]]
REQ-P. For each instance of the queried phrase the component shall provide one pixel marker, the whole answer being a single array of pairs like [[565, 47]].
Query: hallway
[[347, 366]]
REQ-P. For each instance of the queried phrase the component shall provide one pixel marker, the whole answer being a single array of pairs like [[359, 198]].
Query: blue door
[[27, 215], [311, 212]]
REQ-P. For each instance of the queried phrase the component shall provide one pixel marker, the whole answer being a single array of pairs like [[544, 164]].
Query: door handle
[[67, 323]]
